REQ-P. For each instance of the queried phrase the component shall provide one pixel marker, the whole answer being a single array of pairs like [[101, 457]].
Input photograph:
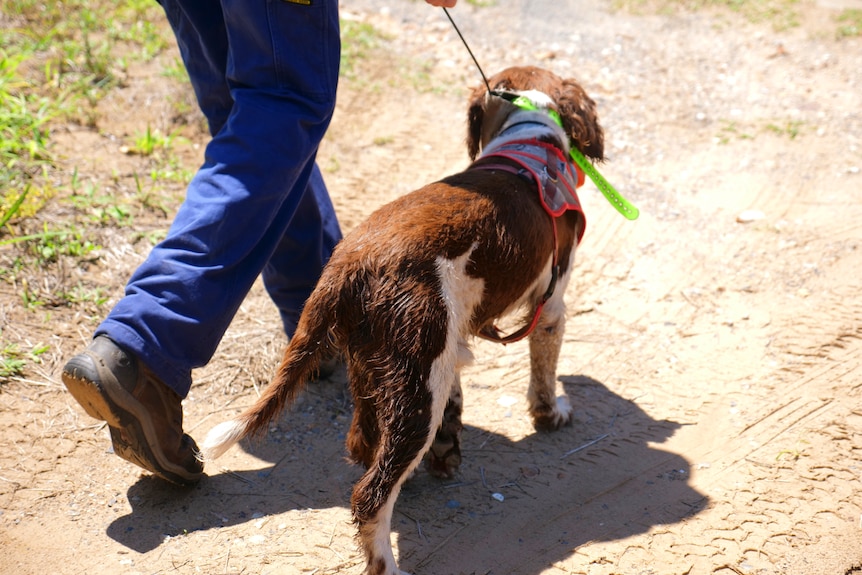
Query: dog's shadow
[[513, 507], [518, 507]]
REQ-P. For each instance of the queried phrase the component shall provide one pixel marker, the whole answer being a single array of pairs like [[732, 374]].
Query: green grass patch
[[790, 128], [13, 359], [58, 59], [730, 131], [850, 23], [358, 39], [782, 14], [48, 245]]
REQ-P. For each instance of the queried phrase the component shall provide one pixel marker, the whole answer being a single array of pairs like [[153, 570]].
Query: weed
[[176, 71], [729, 130], [850, 23], [171, 171], [153, 237], [333, 165], [102, 208], [118, 214], [84, 295], [13, 360], [48, 245], [781, 14], [11, 364], [151, 141], [357, 39], [795, 453], [791, 128], [7, 214], [418, 76], [58, 65], [23, 129]]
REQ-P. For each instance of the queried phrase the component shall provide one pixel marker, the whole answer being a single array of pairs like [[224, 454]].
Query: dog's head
[[487, 114]]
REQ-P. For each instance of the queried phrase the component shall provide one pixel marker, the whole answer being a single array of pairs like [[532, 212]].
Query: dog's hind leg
[[444, 456], [548, 411], [405, 424], [364, 434]]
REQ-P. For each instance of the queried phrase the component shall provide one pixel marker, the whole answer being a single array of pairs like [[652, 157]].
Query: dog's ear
[[580, 120], [475, 117]]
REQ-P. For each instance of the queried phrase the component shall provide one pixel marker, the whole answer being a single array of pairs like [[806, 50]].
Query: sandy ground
[[713, 351]]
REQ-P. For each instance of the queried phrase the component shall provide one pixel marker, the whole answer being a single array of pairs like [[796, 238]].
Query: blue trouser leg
[[199, 28], [308, 243], [258, 203]]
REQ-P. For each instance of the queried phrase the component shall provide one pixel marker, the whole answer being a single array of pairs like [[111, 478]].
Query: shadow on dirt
[[514, 507], [599, 480]]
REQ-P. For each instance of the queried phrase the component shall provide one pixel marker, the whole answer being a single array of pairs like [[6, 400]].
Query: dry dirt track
[[715, 366]]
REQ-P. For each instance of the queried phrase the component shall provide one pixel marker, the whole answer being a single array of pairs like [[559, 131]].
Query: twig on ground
[[336, 553], [236, 475], [584, 446], [24, 380]]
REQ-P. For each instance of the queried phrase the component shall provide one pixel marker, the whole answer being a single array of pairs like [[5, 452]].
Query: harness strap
[[492, 332]]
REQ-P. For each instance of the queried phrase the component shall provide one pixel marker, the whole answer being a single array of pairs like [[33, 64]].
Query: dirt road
[[713, 350]]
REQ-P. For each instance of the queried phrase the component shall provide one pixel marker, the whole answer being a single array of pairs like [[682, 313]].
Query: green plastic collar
[[616, 199]]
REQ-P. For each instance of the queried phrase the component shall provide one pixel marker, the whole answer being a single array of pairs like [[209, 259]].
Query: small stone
[[748, 216]]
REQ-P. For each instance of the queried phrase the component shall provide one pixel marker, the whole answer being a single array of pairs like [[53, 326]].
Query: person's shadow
[[513, 507]]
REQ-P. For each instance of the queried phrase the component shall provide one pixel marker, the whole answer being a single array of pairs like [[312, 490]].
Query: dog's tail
[[310, 344]]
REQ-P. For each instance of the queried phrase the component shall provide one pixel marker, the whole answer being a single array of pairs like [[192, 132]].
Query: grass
[[793, 453], [790, 128], [24, 117], [59, 59], [849, 23], [13, 359], [358, 39], [730, 130], [782, 14]]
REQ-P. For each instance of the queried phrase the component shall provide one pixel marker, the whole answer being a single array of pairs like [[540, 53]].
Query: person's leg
[[203, 43], [282, 69], [292, 272], [309, 239], [180, 301]]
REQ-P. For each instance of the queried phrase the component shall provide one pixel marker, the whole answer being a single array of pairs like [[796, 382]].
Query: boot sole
[[132, 433]]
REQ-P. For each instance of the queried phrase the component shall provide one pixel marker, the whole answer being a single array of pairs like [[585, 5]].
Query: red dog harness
[[557, 181]]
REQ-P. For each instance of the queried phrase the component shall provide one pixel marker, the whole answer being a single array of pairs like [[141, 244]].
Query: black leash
[[475, 61]]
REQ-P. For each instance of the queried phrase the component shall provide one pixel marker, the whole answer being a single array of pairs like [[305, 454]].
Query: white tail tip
[[221, 438]]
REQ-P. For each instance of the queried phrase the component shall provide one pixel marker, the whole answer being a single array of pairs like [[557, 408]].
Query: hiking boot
[[144, 415]]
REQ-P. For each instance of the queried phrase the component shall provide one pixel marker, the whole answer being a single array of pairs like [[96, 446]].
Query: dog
[[404, 292]]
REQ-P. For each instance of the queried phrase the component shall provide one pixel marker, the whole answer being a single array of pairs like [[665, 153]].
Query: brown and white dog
[[405, 291]]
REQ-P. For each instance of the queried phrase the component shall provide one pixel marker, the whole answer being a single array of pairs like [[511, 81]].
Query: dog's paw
[[443, 458], [552, 417]]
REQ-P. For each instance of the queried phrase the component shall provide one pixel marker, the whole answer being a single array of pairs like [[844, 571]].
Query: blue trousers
[[265, 75]]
